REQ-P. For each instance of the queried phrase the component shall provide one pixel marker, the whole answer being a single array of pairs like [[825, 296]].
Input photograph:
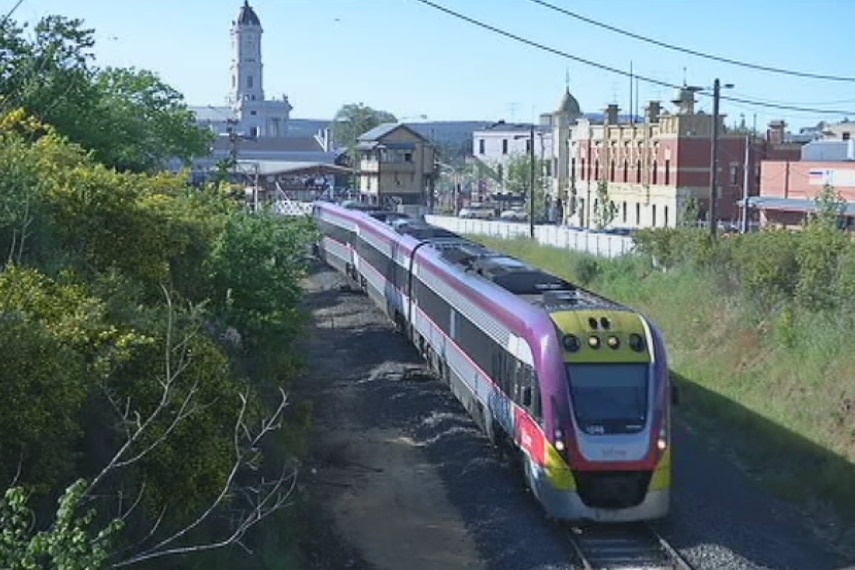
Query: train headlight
[[594, 341], [614, 342], [571, 343], [662, 441], [559, 440], [636, 342]]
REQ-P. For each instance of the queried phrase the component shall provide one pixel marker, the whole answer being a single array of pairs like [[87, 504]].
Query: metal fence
[[595, 243]]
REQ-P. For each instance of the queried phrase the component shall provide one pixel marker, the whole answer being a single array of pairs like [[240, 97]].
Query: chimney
[[775, 134], [611, 115], [652, 111]]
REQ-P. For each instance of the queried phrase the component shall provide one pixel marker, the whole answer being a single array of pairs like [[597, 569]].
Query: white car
[[514, 215], [477, 211]]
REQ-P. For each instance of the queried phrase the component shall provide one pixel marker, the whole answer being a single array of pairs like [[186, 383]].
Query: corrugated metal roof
[[790, 204], [277, 167], [384, 129]]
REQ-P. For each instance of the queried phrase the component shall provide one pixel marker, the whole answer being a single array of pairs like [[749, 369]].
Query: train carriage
[[576, 383]]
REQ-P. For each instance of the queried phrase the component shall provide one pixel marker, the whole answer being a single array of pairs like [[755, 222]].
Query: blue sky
[[410, 59]]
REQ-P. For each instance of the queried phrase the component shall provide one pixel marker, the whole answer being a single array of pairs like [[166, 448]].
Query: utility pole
[[745, 182], [531, 183], [714, 160]]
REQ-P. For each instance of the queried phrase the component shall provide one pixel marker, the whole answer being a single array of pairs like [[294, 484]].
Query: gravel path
[[412, 484]]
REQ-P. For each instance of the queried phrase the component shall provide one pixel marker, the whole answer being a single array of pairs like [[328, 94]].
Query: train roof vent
[[530, 282], [423, 231]]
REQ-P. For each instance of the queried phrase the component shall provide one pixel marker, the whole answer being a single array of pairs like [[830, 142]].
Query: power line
[[10, 12], [610, 69], [755, 66]]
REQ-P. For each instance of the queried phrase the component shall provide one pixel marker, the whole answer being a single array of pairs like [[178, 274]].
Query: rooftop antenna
[[567, 79], [684, 76]]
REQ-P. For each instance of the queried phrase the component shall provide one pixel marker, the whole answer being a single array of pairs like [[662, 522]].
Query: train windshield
[[609, 398]]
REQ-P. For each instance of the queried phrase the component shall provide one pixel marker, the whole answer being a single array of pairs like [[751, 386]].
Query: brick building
[[654, 167], [788, 190]]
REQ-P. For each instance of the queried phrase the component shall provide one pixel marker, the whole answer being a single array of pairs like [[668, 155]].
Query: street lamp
[[716, 89]]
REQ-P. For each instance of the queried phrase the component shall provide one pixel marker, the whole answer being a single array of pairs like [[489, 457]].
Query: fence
[[596, 243]]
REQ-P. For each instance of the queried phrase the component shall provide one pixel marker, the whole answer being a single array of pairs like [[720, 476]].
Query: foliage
[[691, 213], [518, 180], [254, 269], [69, 543], [151, 119], [85, 325], [605, 209], [765, 264], [355, 119], [129, 119]]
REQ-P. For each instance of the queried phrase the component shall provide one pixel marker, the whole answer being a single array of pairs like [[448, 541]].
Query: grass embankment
[[774, 389]]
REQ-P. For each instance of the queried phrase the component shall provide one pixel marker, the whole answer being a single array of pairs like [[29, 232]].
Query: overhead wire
[[696, 53], [604, 67]]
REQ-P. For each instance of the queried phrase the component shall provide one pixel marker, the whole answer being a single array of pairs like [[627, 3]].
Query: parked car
[[477, 211], [514, 215]]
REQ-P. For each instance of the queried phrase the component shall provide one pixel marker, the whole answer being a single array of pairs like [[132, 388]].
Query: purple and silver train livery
[[576, 384]]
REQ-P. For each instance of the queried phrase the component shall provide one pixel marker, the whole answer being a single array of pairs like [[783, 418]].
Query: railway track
[[624, 547]]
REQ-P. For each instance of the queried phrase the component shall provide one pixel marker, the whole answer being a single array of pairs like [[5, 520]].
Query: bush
[[586, 269], [765, 265]]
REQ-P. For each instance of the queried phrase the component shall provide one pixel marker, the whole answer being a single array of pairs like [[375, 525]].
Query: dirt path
[[384, 495]]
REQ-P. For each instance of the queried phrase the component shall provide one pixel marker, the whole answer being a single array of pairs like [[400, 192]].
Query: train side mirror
[[675, 395]]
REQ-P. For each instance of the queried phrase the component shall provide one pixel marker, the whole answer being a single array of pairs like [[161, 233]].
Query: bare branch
[[264, 500]]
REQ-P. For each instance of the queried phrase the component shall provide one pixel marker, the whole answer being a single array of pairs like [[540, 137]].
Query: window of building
[[249, 81], [572, 167], [665, 213], [667, 174], [623, 212], [528, 145], [625, 171], [408, 157], [480, 146], [597, 170], [846, 135], [547, 165], [253, 132], [582, 169], [504, 146], [638, 172], [637, 214], [653, 175], [612, 171], [234, 81], [734, 174], [653, 215], [252, 112]]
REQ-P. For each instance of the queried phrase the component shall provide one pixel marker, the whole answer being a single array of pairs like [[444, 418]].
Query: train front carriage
[[608, 454]]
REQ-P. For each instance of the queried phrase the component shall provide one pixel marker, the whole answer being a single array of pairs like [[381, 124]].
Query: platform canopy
[[290, 168]]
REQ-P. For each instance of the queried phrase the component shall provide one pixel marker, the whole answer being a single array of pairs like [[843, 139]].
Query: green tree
[[147, 121], [605, 209], [130, 119], [355, 119], [819, 251], [691, 213], [519, 178]]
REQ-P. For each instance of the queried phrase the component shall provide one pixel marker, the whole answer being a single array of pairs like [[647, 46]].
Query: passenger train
[[575, 383]]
